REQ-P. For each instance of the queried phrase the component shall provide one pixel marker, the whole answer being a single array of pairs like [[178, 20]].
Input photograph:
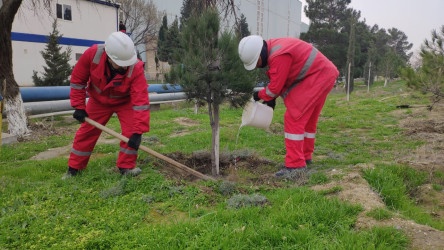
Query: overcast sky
[[416, 18]]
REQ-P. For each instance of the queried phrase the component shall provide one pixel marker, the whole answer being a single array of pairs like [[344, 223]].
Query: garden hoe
[[149, 151]]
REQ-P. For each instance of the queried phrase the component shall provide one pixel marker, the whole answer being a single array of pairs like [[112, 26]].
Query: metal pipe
[[52, 93], [35, 108]]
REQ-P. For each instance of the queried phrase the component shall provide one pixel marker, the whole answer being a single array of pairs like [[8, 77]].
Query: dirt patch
[[46, 128], [242, 167], [427, 126], [356, 190], [186, 121]]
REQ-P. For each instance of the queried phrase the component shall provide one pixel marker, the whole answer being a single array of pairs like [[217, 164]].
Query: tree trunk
[[16, 115], [215, 141], [17, 122], [213, 112]]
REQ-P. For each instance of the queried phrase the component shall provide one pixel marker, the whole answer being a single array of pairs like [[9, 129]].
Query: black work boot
[[130, 171], [71, 173]]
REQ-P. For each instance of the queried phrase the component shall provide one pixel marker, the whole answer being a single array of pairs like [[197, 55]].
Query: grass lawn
[[161, 210]]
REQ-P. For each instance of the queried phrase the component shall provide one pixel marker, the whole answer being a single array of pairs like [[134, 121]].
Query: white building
[[81, 22]]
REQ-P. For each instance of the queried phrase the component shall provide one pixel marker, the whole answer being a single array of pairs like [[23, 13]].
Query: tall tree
[[226, 8], [350, 57], [327, 29], [172, 41], [141, 20], [242, 30], [399, 43], [430, 76], [14, 105], [210, 71], [370, 65], [389, 65], [162, 51], [57, 69]]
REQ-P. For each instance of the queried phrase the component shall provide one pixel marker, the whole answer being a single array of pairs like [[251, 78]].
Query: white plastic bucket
[[257, 115]]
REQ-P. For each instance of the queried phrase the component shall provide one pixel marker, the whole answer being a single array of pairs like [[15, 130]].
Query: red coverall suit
[[126, 95], [303, 77]]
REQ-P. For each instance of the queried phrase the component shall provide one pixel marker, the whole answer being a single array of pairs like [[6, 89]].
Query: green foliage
[[242, 30], [172, 41], [333, 190], [162, 47], [318, 178], [190, 8], [210, 65], [380, 214], [58, 69], [330, 31], [242, 200], [430, 77], [328, 20]]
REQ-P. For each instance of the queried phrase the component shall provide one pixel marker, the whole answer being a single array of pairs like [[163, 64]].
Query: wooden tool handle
[[150, 151]]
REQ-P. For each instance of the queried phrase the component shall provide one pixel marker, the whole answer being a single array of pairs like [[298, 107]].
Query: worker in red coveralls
[[303, 77], [122, 27], [115, 81]]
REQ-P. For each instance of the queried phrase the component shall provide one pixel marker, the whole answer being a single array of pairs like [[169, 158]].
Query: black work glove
[[134, 141], [271, 103], [80, 115], [256, 96]]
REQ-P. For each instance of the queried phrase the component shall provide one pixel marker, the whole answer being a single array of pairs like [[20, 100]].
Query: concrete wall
[[92, 22]]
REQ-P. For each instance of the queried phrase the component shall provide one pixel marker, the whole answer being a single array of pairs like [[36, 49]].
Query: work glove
[[134, 141], [271, 103], [80, 115], [256, 96]]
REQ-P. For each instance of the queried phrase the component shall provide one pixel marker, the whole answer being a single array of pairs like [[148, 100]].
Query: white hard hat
[[120, 48], [249, 50]]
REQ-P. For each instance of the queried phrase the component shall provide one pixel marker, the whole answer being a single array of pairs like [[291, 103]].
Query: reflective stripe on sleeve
[[268, 92], [130, 71], [80, 153], [96, 88], [310, 135], [274, 49], [99, 52], [77, 86], [142, 107], [294, 137], [128, 151], [303, 72]]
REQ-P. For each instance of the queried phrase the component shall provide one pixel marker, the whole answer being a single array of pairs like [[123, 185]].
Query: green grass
[[101, 209]]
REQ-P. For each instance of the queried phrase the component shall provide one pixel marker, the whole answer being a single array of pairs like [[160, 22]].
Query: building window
[[64, 12], [78, 55]]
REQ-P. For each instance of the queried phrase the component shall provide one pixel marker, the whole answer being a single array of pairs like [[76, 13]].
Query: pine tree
[[172, 42], [429, 78], [211, 72], [243, 30], [58, 69], [162, 53]]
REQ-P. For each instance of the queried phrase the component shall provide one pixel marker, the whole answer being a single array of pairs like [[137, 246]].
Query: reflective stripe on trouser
[[87, 135], [300, 134]]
